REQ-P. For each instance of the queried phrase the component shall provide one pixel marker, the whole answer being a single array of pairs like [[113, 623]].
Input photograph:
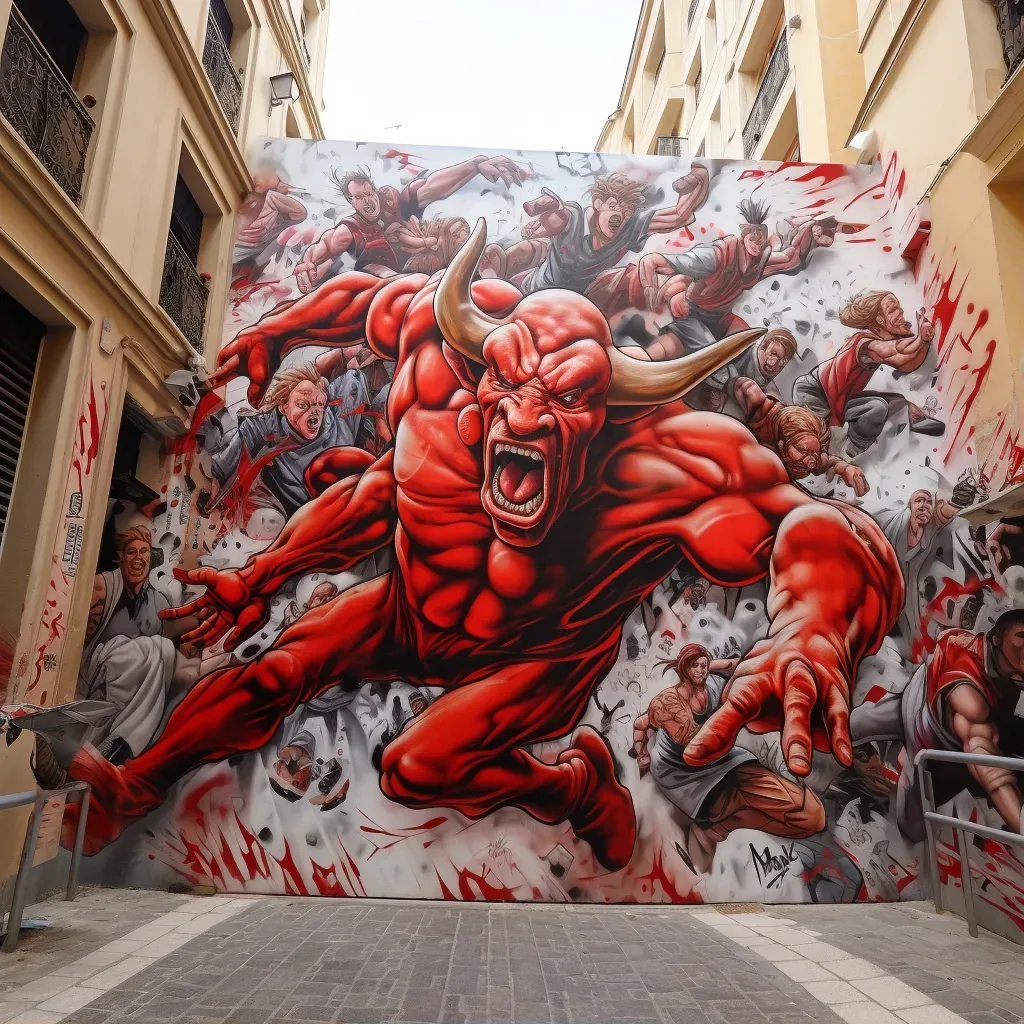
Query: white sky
[[488, 74]]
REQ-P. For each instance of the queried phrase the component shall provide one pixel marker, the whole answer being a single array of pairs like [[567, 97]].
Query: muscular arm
[[350, 520], [793, 256], [971, 719], [550, 216], [835, 583], [848, 473], [446, 181], [641, 729], [286, 205], [317, 259], [333, 316], [691, 192], [904, 354]]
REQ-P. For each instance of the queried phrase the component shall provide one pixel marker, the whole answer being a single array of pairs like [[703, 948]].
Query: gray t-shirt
[[285, 473], [572, 260]]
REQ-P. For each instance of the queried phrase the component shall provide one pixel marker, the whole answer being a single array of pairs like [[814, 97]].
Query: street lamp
[[283, 89]]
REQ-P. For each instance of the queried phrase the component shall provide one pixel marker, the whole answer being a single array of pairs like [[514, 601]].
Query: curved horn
[[463, 324], [639, 382]]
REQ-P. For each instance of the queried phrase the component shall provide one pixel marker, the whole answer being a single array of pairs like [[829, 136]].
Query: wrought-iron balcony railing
[[183, 293], [672, 145], [694, 4], [42, 108], [768, 91], [221, 72], [1011, 29]]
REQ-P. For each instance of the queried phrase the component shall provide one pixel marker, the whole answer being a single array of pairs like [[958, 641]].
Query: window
[[186, 220], [20, 336], [221, 16], [183, 291], [219, 62], [40, 55], [59, 30]]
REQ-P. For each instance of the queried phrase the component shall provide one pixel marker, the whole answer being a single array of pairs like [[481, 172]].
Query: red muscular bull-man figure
[[540, 485]]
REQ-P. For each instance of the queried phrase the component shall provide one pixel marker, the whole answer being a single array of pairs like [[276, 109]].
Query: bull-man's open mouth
[[518, 478]]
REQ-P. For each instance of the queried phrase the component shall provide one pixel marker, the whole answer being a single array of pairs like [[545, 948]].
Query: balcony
[[768, 92], [672, 145], [42, 108], [694, 4], [1011, 28], [183, 293], [221, 72]]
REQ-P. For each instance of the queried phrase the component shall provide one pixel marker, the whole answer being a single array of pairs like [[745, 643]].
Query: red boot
[[604, 817], [116, 800]]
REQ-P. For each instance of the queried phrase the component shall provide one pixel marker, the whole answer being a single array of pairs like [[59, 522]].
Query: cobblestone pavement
[[291, 961]]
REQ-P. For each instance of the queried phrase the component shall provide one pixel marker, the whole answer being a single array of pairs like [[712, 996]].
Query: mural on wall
[[557, 526]]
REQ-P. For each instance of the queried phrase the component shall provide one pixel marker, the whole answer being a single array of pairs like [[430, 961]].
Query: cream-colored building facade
[[934, 88], [119, 119]]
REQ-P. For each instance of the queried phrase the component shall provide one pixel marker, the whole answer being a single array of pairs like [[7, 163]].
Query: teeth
[[525, 509], [516, 450]]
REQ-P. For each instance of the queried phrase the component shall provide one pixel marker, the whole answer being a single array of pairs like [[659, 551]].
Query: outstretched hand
[[799, 681], [246, 356], [228, 609]]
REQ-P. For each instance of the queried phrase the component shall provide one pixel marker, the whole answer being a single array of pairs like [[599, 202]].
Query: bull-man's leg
[[466, 751], [240, 708]]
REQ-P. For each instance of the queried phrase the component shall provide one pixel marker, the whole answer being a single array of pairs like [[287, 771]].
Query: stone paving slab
[[97, 917], [980, 979], [306, 961], [312, 961]]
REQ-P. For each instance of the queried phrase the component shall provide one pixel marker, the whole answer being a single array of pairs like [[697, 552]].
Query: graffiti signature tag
[[771, 868]]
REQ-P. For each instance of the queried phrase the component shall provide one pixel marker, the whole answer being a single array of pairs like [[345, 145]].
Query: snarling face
[[609, 215], [802, 454], [697, 672], [892, 318], [304, 409], [756, 241], [921, 508], [135, 561], [542, 398], [1011, 646], [548, 369], [364, 199]]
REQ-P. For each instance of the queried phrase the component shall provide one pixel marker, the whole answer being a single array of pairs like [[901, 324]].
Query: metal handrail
[[933, 818], [38, 799], [694, 4]]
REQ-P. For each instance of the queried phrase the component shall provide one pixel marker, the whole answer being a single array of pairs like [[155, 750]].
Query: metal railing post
[[76, 856], [924, 779], [38, 799], [21, 884], [965, 878], [933, 819]]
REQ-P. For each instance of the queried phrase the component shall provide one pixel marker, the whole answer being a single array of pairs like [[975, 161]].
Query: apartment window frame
[[225, 60]]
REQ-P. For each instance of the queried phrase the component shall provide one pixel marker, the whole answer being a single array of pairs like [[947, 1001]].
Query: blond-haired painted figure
[[567, 246], [836, 388], [308, 409]]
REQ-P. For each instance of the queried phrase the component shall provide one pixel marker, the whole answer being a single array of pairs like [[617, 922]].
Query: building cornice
[[192, 74], [996, 124], [892, 54], [283, 25], [56, 214], [638, 34]]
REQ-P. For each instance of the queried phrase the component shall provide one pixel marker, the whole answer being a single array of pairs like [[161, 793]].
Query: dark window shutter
[[59, 30], [186, 220], [220, 14], [20, 337]]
